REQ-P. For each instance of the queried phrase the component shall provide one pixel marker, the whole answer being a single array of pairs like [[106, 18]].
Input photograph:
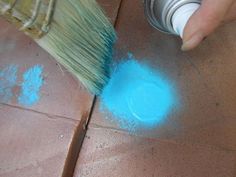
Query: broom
[[75, 32]]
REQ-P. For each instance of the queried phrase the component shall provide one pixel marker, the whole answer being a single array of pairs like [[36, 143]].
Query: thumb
[[204, 21]]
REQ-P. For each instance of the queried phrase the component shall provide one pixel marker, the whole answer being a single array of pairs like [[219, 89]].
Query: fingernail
[[192, 42]]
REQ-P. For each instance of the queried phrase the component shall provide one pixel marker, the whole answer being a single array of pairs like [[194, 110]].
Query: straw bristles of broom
[[81, 39]]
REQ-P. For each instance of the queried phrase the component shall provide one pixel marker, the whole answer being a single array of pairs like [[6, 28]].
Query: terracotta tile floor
[[203, 124], [42, 140], [203, 79], [107, 152], [197, 139], [61, 93], [33, 144]]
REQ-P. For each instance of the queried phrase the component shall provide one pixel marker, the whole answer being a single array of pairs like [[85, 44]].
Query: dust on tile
[[8, 80], [137, 95], [31, 85]]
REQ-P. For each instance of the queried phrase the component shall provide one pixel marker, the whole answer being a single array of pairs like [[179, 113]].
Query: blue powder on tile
[[137, 95], [8, 80], [30, 88]]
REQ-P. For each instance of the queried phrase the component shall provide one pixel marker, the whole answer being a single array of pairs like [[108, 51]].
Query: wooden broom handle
[[31, 16]]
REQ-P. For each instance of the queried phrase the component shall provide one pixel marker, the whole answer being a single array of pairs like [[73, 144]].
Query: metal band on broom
[[75, 32]]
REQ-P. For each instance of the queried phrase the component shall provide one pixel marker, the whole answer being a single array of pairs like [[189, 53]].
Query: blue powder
[[30, 88], [8, 79], [137, 95]]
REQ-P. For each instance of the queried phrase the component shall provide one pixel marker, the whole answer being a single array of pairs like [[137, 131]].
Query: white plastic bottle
[[170, 16]]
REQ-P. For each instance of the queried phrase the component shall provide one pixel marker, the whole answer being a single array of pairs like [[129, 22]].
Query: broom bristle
[[81, 39]]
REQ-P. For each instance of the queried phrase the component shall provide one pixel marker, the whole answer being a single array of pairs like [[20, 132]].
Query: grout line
[[91, 111], [161, 140], [95, 98], [77, 142], [118, 13], [80, 133], [50, 116], [75, 147], [97, 126]]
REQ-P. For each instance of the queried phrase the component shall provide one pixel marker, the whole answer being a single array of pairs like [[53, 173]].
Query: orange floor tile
[[33, 144], [197, 139], [42, 140], [107, 152], [203, 80]]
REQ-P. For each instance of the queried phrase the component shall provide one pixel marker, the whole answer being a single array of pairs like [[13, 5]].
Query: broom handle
[[31, 16]]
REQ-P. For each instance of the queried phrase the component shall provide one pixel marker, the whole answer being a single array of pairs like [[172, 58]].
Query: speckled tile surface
[[198, 137], [33, 144], [41, 140], [203, 80], [111, 8], [107, 152], [60, 94]]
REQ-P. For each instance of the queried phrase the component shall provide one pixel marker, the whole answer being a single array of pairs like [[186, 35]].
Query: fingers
[[204, 21]]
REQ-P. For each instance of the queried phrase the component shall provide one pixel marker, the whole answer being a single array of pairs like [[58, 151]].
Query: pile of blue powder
[[137, 95], [30, 87]]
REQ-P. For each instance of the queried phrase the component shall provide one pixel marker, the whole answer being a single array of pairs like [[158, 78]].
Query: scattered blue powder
[[8, 79], [137, 95], [30, 88]]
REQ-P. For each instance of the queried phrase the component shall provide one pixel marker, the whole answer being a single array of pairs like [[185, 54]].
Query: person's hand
[[210, 15]]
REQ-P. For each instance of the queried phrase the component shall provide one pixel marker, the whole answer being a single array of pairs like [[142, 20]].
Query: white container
[[170, 16]]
